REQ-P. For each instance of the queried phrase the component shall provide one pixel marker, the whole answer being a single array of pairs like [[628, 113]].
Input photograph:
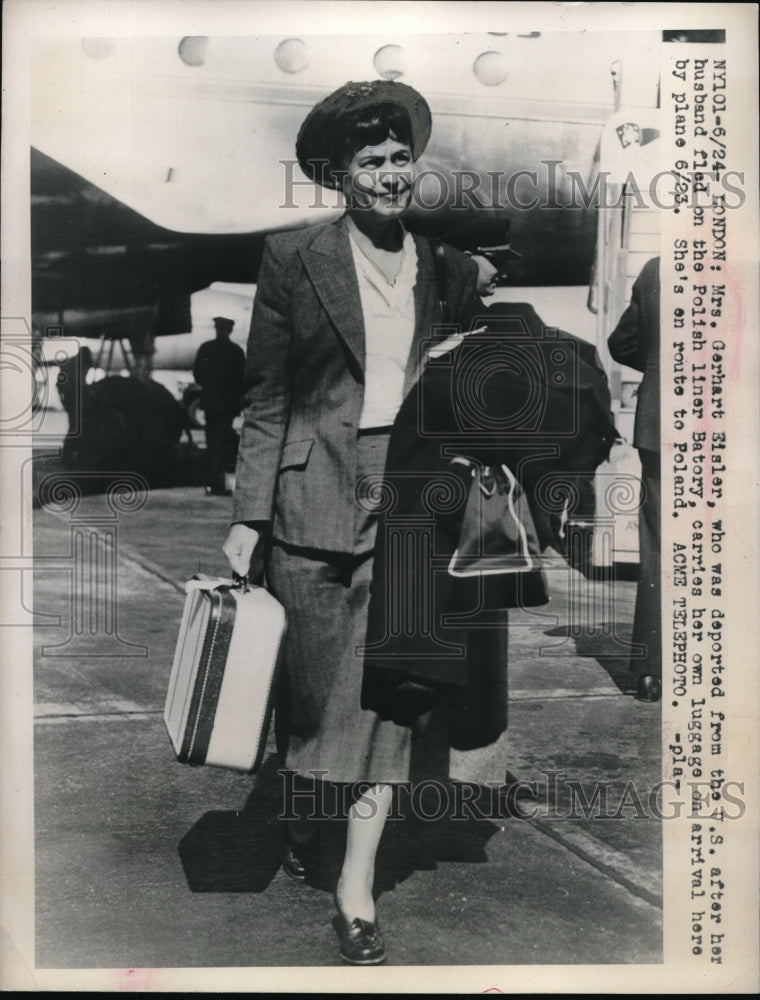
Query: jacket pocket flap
[[295, 454]]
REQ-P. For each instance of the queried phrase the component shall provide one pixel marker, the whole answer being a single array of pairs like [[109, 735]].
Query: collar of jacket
[[330, 266]]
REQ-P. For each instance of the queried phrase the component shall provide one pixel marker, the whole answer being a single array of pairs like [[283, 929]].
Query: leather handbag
[[498, 542]]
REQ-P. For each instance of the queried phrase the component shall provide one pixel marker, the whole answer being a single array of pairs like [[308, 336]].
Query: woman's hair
[[368, 126]]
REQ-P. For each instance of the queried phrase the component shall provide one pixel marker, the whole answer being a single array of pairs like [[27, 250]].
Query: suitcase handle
[[201, 582]]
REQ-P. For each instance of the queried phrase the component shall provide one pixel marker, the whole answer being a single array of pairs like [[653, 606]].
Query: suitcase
[[220, 697]]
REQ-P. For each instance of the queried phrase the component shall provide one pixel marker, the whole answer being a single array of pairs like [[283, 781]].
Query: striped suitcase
[[220, 696]]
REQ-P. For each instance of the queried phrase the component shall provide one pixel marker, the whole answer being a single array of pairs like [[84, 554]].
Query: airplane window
[[491, 68], [98, 48], [193, 50], [390, 62], [292, 55]]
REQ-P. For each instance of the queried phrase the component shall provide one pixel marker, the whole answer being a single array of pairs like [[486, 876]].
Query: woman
[[340, 317]]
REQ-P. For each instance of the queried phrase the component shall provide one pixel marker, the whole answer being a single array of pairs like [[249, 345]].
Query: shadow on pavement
[[229, 851], [237, 850], [609, 645], [410, 842]]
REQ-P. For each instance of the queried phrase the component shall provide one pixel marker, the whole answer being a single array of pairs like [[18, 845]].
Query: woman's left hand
[[239, 547]]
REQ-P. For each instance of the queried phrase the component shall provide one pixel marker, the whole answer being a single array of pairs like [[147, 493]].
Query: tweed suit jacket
[[635, 342], [304, 382]]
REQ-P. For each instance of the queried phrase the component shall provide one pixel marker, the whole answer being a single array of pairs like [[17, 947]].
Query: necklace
[[396, 257], [386, 277]]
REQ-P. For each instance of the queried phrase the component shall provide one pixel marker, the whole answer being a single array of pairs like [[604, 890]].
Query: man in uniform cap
[[218, 370], [484, 236]]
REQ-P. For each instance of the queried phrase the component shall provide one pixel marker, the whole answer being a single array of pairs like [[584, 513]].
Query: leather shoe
[[649, 688], [299, 860], [361, 942]]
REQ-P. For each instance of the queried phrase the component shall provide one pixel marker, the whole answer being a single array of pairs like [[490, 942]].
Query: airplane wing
[[159, 163]]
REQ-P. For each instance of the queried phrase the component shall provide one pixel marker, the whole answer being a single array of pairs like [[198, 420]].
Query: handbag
[[498, 543]]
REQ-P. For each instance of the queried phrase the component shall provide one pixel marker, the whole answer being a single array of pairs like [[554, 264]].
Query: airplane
[[159, 165]]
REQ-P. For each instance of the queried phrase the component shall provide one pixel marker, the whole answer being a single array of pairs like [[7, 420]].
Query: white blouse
[[388, 329]]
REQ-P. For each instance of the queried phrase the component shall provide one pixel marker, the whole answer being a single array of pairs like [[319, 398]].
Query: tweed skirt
[[322, 730]]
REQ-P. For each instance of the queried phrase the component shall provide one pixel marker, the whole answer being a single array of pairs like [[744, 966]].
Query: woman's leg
[[366, 821]]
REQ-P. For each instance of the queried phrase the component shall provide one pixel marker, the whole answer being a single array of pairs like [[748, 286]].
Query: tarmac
[[146, 863]]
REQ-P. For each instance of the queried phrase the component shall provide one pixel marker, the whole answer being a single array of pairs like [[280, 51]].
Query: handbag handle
[[202, 582], [486, 475], [441, 278]]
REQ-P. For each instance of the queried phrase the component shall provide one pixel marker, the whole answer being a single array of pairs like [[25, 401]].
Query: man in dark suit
[[218, 370], [635, 342]]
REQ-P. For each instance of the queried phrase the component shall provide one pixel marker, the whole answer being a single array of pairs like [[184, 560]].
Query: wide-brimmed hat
[[316, 140]]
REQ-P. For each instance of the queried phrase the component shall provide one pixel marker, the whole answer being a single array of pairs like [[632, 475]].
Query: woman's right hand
[[239, 547]]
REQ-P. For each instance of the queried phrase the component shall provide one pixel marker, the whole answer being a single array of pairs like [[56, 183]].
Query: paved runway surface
[[143, 862]]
